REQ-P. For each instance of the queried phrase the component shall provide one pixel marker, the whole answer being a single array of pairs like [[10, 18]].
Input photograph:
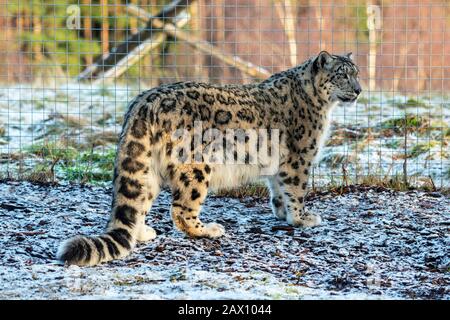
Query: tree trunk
[[197, 15], [87, 29], [133, 20], [288, 21], [105, 26], [221, 73], [37, 46]]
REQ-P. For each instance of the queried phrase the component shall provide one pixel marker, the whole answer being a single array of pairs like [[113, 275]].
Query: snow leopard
[[292, 108]]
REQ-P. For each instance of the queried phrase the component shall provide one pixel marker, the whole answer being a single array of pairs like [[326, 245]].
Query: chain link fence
[[68, 69]]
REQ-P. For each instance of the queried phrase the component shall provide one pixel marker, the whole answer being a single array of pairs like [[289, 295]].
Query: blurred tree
[[287, 11], [87, 27]]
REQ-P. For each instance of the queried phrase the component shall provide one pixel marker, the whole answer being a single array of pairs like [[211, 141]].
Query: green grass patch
[[447, 133], [39, 105], [91, 167], [409, 122], [421, 148], [411, 103], [363, 100], [393, 144], [52, 151], [67, 163]]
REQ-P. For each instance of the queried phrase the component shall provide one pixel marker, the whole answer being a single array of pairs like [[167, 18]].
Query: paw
[[280, 213], [278, 208], [146, 233], [306, 220], [213, 230]]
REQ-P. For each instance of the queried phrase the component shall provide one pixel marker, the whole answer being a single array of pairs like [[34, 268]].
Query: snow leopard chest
[[324, 134]]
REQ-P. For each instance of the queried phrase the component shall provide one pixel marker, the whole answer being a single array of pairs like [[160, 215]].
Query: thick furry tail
[[89, 251]]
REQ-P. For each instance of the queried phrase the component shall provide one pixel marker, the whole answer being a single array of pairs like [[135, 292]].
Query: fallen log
[[198, 44], [139, 52], [106, 62]]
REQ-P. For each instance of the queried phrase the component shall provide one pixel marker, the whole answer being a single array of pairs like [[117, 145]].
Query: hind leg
[[136, 186], [189, 189], [145, 232], [150, 191]]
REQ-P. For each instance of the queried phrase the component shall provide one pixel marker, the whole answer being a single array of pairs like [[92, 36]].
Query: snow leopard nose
[[358, 90]]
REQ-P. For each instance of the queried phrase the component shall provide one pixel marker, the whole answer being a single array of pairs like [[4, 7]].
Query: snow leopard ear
[[350, 55], [322, 59]]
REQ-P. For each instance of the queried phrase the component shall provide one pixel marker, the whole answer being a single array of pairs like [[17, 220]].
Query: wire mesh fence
[[69, 68]]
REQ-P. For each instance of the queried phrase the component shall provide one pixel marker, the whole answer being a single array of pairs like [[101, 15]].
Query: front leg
[[276, 199], [293, 182]]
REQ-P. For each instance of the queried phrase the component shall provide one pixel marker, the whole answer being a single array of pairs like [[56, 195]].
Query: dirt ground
[[373, 244]]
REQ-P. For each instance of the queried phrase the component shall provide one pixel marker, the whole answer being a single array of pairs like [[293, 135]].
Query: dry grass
[[396, 183], [69, 120], [103, 138], [251, 190]]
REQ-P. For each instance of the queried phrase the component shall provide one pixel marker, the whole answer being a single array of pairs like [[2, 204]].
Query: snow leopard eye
[[344, 76]]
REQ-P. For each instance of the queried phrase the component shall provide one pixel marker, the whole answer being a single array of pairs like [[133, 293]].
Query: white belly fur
[[230, 176]]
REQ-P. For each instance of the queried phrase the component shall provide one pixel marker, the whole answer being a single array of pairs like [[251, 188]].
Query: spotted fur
[[297, 102]]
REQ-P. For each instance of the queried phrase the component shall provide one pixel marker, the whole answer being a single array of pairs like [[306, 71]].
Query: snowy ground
[[373, 244]]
